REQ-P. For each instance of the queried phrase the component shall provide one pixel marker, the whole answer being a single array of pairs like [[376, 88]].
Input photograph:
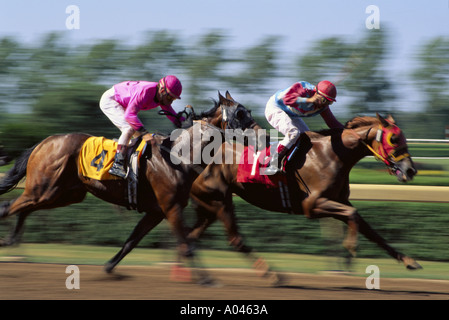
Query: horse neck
[[217, 118], [197, 137], [355, 142]]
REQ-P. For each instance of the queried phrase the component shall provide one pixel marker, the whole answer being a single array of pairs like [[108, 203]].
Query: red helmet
[[327, 89], [172, 85]]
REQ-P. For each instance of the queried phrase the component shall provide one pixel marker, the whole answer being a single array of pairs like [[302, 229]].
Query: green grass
[[431, 172], [285, 262]]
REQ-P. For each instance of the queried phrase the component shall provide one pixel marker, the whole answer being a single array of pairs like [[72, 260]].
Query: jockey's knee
[[291, 138], [126, 135]]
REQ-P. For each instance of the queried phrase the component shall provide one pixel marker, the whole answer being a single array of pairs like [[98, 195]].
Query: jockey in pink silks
[[286, 108], [122, 103]]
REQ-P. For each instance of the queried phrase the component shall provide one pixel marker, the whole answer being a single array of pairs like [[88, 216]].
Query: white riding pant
[[116, 113], [290, 127]]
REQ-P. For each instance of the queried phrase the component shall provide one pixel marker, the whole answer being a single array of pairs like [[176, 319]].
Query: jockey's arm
[[131, 116], [330, 119], [177, 122]]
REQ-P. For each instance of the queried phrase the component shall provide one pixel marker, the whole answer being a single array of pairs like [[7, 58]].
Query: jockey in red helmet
[[122, 103], [286, 108]]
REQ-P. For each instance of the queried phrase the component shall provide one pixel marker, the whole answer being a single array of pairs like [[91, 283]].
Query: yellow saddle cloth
[[97, 156]]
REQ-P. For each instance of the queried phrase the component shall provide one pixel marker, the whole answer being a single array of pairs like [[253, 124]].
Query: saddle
[[251, 171], [97, 157], [252, 167]]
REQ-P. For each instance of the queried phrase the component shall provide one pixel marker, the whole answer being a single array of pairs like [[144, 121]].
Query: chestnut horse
[[53, 178], [318, 180]]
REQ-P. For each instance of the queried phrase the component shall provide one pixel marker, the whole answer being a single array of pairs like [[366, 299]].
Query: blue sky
[[295, 20], [298, 22], [411, 23]]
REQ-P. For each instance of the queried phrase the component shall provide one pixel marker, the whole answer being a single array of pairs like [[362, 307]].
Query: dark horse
[[318, 179], [53, 178]]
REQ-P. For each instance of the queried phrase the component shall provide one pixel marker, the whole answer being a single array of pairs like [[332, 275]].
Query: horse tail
[[14, 175]]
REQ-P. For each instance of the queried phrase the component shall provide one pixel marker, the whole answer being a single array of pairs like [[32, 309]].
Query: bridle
[[233, 120], [386, 150]]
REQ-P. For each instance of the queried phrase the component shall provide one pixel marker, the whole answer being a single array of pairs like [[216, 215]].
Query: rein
[[382, 154], [359, 138]]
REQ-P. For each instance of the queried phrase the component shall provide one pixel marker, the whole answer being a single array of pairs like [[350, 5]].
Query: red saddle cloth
[[252, 166]]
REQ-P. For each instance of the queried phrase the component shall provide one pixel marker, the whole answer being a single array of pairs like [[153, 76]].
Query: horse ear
[[382, 120], [221, 99], [391, 119], [228, 96]]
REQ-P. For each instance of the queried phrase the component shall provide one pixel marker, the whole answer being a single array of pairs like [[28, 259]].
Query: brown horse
[[53, 177], [318, 181]]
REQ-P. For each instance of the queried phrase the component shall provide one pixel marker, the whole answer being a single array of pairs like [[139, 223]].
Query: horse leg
[[372, 235], [204, 218], [15, 236], [349, 215], [185, 248], [345, 213], [226, 214], [145, 225], [40, 194], [208, 212], [26, 204]]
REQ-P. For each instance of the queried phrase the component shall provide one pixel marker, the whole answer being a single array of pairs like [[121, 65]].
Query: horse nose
[[411, 172]]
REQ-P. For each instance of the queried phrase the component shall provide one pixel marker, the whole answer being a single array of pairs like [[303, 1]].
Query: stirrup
[[272, 170], [275, 165], [118, 171]]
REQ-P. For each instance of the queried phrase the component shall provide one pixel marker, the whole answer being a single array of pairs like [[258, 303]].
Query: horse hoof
[[277, 279], [180, 274], [411, 264], [108, 268], [209, 282]]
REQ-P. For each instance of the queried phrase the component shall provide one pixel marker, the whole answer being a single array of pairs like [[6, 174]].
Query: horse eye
[[240, 114]]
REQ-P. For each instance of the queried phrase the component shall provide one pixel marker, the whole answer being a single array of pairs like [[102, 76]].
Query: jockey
[[286, 108], [124, 100]]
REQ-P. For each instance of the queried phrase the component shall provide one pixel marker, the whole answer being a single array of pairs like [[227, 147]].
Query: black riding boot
[[118, 168], [276, 162]]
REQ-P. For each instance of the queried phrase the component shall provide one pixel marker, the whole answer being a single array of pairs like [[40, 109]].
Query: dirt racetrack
[[23, 281]]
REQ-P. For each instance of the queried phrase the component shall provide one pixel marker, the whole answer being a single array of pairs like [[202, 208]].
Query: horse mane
[[356, 122], [211, 112], [361, 121], [208, 113]]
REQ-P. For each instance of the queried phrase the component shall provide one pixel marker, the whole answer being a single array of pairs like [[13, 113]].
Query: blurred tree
[[202, 64], [160, 54], [42, 67], [72, 107], [326, 59], [356, 69], [95, 63], [256, 67], [432, 80], [11, 54], [368, 80], [58, 86]]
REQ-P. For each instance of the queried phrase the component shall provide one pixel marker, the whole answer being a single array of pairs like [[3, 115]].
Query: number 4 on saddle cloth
[[97, 157]]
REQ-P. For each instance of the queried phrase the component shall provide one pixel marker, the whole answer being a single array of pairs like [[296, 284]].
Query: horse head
[[234, 114], [392, 147], [229, 114], [387, 143]]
